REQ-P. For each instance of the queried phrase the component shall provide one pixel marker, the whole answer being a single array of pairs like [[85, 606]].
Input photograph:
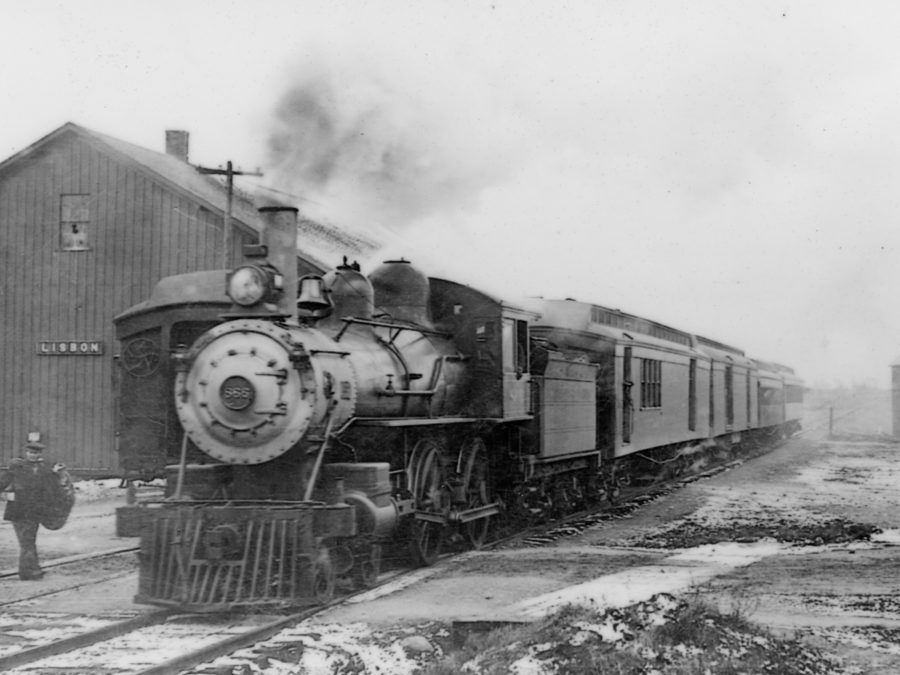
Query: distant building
[[88, 225], [895, 397]]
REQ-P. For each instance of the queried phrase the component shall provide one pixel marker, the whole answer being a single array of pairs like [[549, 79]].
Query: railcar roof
[[594, 318], [774, 367], [722, 352], [721, 346]]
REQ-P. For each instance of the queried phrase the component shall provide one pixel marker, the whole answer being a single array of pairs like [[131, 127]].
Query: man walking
[[30, 484]]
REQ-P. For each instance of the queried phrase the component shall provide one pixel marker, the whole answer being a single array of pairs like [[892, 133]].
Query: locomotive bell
[[313, 296]]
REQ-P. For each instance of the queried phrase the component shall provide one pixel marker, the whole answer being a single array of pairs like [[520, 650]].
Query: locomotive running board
[[466, 516], [392, 422]]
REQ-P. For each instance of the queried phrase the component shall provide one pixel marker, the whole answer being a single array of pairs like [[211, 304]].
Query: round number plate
[[237, 393]]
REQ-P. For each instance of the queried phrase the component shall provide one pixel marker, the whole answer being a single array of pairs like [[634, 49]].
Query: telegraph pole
[[229, 174]]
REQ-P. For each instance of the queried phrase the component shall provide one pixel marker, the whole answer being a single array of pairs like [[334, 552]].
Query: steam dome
[[402, 292]]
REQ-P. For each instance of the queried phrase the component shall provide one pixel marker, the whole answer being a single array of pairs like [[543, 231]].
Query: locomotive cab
[[179, 311], [495, 336]]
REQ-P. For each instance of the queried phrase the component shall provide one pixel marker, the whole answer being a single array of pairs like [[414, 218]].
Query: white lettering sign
[[70, 348]]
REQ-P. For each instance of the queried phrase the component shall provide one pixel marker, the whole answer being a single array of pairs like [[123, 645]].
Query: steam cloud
[[363, 150]]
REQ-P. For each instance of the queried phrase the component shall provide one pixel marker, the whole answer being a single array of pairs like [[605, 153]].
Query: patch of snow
[[127, 652], [675, 574], [612, 630], [684, 650], [473, 665], [328, 648], [581, 637], [862, 638], [95, 490], [887, 537], [528, 665]]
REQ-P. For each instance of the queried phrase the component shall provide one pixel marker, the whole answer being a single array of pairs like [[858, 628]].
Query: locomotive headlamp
[[251, 284]]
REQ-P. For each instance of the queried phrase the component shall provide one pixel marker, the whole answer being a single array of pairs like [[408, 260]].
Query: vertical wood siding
[[139, 232]]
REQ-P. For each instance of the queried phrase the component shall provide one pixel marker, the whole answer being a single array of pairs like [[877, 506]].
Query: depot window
[[651, 383], [74, 222]]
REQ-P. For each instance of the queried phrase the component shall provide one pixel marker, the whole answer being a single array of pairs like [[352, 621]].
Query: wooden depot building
[[88, 225]]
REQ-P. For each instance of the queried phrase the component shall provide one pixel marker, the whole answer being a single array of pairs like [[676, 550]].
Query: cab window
[[515, 346]]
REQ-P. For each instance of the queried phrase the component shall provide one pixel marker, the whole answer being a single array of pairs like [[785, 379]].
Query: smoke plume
[[366, 150]]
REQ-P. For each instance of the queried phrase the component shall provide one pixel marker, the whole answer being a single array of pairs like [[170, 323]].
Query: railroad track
[[79, 582], [71, 560], [627, 502], [155, 642]]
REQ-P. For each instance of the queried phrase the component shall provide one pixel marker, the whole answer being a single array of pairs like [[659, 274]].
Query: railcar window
[[515, 346], [522, 346], [729, 395], [627, 401], [748, 397], [651, 383], [74, 221], [692, 396], [509, 353]]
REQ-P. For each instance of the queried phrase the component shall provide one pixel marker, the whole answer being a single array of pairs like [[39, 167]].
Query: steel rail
[[229, 644], [74, 587], [232, 643], [184, 661], [59, 562], [82, 640]]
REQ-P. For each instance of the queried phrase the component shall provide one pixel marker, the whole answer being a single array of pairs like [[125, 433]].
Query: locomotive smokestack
[[280, 237]]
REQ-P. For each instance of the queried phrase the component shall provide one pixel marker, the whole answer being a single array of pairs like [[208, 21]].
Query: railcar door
[[627, 402], [516, 378], [729, 397]]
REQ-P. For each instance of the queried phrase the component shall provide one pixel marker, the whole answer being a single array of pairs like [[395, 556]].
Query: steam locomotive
[[305, 422]]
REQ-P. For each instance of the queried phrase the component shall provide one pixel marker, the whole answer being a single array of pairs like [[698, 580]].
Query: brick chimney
[[177, 144]]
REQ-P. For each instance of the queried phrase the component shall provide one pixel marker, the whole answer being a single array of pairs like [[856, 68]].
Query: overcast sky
[[728, 168]]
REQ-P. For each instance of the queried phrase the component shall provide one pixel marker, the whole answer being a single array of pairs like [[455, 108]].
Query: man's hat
[[34, 445]]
